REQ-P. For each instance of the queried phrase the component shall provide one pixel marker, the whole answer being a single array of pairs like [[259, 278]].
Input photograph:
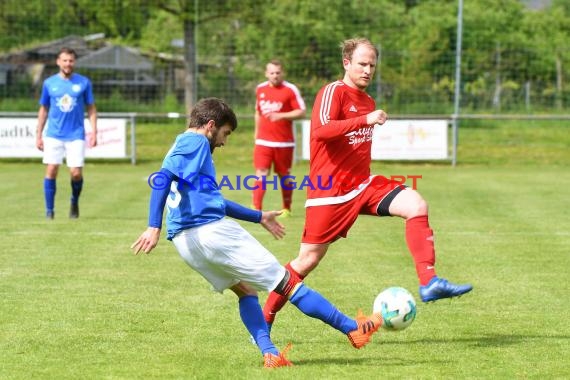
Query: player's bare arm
[[42, 117], [256, 124], [270, 223], [291, 115], [92, 112], [147, 241]]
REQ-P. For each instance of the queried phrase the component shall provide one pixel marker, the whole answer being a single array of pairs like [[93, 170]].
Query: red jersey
[[341, 144], [283, 98]]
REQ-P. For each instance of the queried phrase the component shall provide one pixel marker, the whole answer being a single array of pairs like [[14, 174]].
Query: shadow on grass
[[371, 360], [484, 341], [498, 340]]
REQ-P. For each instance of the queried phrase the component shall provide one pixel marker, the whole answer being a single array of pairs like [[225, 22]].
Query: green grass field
[[76, 304]]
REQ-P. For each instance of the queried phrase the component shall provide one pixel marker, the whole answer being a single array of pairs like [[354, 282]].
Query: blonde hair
[[275, 62], [349, 46]]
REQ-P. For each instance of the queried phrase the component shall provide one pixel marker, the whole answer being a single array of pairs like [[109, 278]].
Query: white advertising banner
[[18, 138], [401, 140]]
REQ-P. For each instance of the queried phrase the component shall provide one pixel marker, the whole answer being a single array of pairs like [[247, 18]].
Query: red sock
[[287, 197], [419, 237], [276, 301], [258, 194]]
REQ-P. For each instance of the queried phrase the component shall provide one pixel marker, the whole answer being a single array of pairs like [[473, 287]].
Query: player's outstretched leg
[[313, 304], [439, 288], [419, 237]]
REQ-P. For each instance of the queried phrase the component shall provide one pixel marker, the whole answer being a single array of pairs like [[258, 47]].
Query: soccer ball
[[397, 306]]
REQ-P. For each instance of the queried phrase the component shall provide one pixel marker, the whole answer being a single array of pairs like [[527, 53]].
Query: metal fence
[[155, 84], [496, 79], [490, 78]]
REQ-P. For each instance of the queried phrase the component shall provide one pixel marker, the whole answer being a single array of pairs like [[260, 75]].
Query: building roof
[[46, 53], [51, 49], [115, 58]]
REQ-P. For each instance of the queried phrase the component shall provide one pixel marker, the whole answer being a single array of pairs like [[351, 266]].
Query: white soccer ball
[[397, 306]]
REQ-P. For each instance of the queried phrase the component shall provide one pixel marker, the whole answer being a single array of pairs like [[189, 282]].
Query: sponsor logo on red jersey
[[360, 136], [267, 106]]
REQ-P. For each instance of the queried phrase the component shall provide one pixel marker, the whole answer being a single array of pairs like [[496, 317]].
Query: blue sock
[[76, 187], [49, 193], [315, 305], [252, 317]]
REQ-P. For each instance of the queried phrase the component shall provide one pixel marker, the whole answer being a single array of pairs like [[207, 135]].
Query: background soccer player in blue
[[64, 98], [218, 248]]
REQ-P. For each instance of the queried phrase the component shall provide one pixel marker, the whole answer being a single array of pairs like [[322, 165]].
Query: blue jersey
[[66, 100], [194, 197]]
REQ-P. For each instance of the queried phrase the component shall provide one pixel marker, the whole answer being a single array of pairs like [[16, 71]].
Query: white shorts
[[55, 150], [224, 253]]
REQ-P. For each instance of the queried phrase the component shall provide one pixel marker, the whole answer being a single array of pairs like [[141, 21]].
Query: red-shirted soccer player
[[342, 122], [278, 103]]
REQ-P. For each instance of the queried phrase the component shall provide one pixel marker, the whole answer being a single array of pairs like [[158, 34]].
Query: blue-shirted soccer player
[[218, 248], [64, 98]]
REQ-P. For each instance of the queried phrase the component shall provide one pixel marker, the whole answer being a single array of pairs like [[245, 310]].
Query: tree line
[[511, 54]]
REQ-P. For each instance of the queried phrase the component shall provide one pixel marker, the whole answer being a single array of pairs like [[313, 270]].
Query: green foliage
[[21, 23], [161, 29], [18, 104], [116, 102], [508, 49]]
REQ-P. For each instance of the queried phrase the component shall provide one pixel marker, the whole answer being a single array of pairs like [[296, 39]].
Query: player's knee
[[51, 171], [309, 258], [308, 264], [414, 205], [288, 283], [403, 202], [242, 289], [261, 172], [420, 207]]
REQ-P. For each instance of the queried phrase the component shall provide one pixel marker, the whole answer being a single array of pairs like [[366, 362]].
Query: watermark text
[[344, 181]]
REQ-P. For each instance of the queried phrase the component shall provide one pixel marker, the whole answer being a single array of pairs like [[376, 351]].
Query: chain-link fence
[[150, 59]]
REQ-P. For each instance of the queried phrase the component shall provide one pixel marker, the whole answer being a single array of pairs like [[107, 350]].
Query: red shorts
[[327, 223], [281, 158]]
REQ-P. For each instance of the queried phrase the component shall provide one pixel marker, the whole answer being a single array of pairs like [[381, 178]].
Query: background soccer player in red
[[278, 103], [342, 121]]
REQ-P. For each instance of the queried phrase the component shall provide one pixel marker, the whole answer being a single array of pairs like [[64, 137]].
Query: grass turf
[[75, 303]]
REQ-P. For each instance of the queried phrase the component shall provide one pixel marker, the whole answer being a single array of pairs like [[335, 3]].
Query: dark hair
[[67, 50], [349, 46], [212, 109]]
